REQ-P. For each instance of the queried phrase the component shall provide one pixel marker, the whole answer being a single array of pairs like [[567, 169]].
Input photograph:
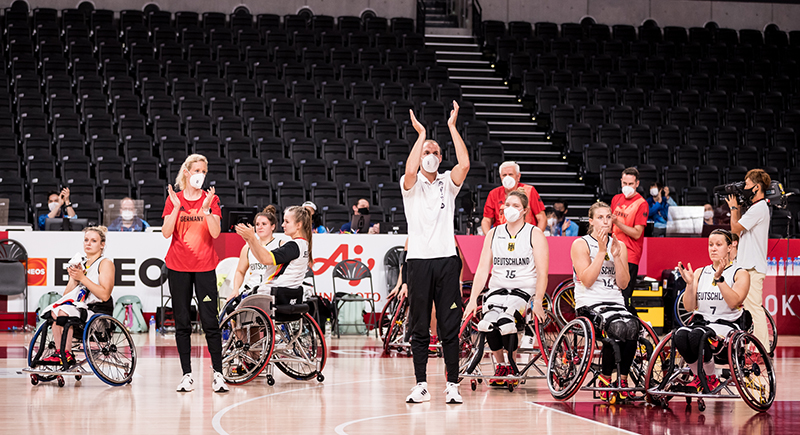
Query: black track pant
[[687, 342], [627, 351], [435, 280], [205, 287], [627, 292]]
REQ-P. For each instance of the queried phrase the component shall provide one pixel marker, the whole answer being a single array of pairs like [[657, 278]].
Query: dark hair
[[760, 177], [549, 210], [562, 201], [269, 212], [658, 185], [725, 233], [302, 215], [53, 192], [631, 171]]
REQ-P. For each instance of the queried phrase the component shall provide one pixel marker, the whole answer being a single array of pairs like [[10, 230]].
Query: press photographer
[[752, 226]]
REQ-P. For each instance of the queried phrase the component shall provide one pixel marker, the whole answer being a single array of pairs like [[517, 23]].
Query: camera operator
[[753, 230]]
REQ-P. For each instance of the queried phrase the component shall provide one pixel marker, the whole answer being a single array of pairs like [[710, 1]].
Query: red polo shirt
[[497, 197], [632, 212], [191, 248]]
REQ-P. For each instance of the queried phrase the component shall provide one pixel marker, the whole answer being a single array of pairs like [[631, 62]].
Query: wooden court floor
[[363, 393]]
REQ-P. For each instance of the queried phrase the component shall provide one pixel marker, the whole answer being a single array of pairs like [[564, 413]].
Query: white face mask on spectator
[[197, 180], [53, 206], [628, 191], [511, 214], [654, 192], [509, 182], [126, 215], [708, 214], [430, 163], [551, 222]]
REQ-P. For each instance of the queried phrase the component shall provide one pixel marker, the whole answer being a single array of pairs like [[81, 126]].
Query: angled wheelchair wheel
[[647, 342], [547, 303], [42, 345], [659, 369], [300, 349], [680, 314], [772, 331], [398, 325], [564, 304], [570, 358], [385, 319], [546, 333], [109, 349], [247, 343], [753, 369], [468, 343]]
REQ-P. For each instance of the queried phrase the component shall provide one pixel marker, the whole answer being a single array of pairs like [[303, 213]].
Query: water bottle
[[781, 267], [771, 266], [152, 328], [797, 266], [328, 327], [790, 266]]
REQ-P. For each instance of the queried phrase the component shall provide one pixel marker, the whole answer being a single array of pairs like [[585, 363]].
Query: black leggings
[[687, 342], [627, 349], [497, 341], [205, 287]]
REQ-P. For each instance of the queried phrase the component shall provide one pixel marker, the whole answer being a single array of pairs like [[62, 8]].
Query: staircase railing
[[421, 17], [477, 20]]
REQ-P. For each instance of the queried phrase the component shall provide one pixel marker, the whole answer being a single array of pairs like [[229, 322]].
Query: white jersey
[[258, 271], [710, 302], [290, 273], [512, 260], [80, 297], [604, 289]]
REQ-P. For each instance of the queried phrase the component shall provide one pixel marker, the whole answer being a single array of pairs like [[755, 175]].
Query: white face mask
[[430, 163], [654, 192], [551, 222], [53, 206], [127, 215], [708, 214], [509, 182], [196, 180], [511, 214], [628, 191]]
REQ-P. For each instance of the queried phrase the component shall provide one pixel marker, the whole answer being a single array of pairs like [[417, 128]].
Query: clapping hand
[[686, 272], [246, 231], [417, 125], [453, 115], [615, 248], [176, 202], [602, 240], [209, 198]]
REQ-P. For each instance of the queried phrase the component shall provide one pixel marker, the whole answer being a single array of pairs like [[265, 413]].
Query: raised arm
[[459, 172], [212, 220], [415, 156], [262, 254]]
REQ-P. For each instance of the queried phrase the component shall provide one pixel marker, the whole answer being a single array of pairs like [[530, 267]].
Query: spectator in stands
[[316, 220], [708, 215], [659, 209], [59, 205], [360, 208], [671, 202], [558, 224], [630, 212], [568, 228], [753, 230], [493, 209], [127, 219], [722, 214]]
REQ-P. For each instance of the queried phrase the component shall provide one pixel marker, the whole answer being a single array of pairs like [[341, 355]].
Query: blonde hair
[[99, 229], [302, 216], [595, 206], [180, 179]]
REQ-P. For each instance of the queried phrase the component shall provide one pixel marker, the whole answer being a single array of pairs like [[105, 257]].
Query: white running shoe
[[218, 384], [187, 383], [451, 393], [419, 394]]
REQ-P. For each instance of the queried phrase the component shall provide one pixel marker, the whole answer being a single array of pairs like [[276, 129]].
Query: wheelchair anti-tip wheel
[[570, 358], [109, 349], [300, 349], [755, 374], [247, 344]]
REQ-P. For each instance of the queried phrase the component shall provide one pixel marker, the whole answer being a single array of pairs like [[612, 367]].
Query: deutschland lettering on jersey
[[504, 261], [710, 296]]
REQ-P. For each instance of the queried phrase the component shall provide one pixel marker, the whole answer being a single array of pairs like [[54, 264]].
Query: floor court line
[[340, 429], [216, 420], [583, 418]]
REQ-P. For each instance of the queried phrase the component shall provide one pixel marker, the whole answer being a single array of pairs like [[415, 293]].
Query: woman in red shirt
[[192, 217]]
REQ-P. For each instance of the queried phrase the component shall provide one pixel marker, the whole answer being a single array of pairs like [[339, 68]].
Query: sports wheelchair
[[110, 353], [535, 340], [750, 370], [264, 331], [564, 301], [577, 351]]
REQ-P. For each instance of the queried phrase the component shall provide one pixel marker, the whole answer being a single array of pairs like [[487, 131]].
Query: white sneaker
[[187, 383], [419, 394], [218, 384], [451, 393]]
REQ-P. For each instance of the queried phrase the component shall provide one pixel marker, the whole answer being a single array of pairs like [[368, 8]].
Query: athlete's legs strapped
[[687, 342], [627, 348], [753, 303], [500, 312], [434, 281]]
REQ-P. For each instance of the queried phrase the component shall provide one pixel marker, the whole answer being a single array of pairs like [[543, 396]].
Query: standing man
[[753, 231], [433, 263], [492, 210], [629, 216]]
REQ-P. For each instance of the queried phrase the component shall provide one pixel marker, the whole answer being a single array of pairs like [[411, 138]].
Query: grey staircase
[[437, 15], [542, 163]]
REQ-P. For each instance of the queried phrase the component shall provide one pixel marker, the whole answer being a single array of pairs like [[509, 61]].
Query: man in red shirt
[[492, 210], [629, 216]]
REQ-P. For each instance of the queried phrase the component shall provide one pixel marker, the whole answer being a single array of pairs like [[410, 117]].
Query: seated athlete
[[265, 223], [292, 258], [715, 293], [89, 287], [600, 271], [517, 255]]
